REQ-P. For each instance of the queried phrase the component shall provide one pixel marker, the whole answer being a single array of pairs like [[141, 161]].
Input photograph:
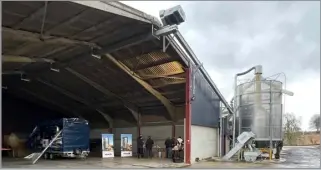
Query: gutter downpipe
[[258, 70]]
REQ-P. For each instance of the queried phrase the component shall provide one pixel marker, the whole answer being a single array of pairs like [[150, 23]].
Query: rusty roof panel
[[166, 69], [137, 50], [146, 60]]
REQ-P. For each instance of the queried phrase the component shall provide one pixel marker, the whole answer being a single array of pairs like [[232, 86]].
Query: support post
[[270, 122], [221, 133], [173, 130], [188, 117], [139, 124]]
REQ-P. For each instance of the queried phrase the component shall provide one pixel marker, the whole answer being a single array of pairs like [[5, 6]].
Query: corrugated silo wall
[[205, 119]]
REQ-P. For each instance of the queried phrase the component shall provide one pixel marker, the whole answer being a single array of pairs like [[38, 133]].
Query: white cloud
[[229, 37]]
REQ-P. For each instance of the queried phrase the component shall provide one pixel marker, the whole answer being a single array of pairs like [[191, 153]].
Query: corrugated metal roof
[[71, 37]]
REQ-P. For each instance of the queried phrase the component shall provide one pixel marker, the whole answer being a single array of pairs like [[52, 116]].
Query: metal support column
[[139, 123], [270, 122], [188, 117], [173, 130]]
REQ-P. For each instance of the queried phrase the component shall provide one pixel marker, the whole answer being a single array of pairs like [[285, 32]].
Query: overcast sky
[[230, 37]]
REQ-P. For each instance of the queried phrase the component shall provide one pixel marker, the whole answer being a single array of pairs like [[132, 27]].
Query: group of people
[[173, 147], [141, 144]]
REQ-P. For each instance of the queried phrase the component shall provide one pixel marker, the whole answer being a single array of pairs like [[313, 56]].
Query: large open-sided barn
[[101, 61]]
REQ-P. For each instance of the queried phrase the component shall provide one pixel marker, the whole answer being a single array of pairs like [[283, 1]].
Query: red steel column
[[188, 117]]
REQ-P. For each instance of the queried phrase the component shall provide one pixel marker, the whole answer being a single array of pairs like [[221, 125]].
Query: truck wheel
[[51, 156], [46, 156]]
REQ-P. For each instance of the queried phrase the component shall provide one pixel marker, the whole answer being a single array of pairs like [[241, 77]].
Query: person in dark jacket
[[174, 142], [279, 147], [168, 146], [140, 146], [149, 147]]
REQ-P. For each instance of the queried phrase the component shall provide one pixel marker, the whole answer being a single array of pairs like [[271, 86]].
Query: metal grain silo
[[259, 107]]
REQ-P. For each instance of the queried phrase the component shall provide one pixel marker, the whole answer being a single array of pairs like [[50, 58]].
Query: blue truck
[[71, 138]]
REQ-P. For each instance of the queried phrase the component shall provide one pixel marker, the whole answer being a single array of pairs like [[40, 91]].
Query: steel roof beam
[[134, 40], [76, 98], [169, 106], [111, 48], [134, 111], [51, 102], [35, 37], [69, 20], [130, 106], [37, 12], [21, 59], [174, 76], [96, 27], [107, 118], [168, 84]]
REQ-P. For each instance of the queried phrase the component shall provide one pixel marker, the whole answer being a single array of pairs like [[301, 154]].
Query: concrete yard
[[292, 157], [93, 163]]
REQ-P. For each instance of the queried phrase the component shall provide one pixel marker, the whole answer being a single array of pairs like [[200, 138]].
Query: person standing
[[168, 146], [174, 149], [149, 147], [140, 146], [179, 141]]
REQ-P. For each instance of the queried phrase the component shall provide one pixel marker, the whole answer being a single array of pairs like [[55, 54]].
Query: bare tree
[[315, 122], [292, 128]]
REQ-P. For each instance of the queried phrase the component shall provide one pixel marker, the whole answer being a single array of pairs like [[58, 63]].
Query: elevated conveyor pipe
[[258, 71]]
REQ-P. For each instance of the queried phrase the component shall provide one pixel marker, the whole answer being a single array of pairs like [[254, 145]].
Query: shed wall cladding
[[118, 131], [206, 105], [179, 131], [158, 133]]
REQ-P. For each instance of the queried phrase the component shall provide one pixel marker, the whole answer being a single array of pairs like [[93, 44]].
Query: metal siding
[[118, 131], [179, 131], [206, 105], [96, 133], [158, 133]]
